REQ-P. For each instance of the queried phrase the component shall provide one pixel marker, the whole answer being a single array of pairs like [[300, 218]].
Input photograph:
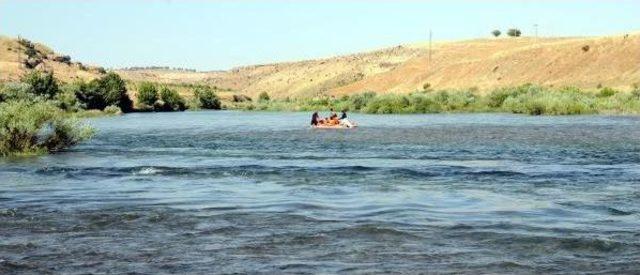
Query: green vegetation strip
[[525, 99]]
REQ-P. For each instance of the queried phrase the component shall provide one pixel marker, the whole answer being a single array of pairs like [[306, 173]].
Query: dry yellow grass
[[485, 64], [489, 63], [612, 61], [12, 56]]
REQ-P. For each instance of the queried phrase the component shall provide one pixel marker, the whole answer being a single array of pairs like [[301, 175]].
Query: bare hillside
[[18, 56], [486, 64], [293, 79], [483, 64]]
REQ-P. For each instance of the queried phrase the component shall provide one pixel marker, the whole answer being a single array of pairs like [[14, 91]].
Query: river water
[[251, 192]]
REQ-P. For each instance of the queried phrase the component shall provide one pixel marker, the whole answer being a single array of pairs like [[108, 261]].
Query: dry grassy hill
[[293, 79], [18, 56], [484, 64], [491, 63]]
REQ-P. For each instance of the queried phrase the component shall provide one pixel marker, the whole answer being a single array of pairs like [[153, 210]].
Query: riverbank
[[525, 99]]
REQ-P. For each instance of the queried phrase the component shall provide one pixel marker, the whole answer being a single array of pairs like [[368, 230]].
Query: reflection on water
[[203, 192]]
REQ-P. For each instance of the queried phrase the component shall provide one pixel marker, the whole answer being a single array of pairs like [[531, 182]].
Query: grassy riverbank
[[525, 99]]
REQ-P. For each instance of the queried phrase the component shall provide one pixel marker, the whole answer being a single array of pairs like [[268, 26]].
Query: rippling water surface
[[224, 192]]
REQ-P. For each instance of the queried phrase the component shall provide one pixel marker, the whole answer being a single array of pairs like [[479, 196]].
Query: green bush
[[496, 33], [33, 127], [387, 104], [90, 95], [66, 99], [497, 97], [115, 91], [607, 92], [359, 101], [14, 91], [537, 101], [147, 93], [172, 100], [42, 84], [524, 99], [207, 98], [454, 100], [102, 92], [264, 96], [421, 103]]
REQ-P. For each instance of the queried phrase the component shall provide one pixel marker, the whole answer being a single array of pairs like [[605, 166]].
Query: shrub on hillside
[[29, 47], [496, 33], [264, 96], [31, 127], [607, 92], [207, 98], [241, 98], [63, 59], [147, 93], [172, 101]]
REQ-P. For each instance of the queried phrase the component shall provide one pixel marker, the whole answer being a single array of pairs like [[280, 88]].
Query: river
[[260, 192]]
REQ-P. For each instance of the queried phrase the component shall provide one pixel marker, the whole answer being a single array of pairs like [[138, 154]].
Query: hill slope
[[484, 64], [18, 56]]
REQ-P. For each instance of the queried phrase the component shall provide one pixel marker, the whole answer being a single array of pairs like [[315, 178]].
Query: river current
[[252, 192]]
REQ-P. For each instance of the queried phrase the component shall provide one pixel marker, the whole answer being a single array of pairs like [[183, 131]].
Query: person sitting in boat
[[344, 121], [343, 115], [315, 119]]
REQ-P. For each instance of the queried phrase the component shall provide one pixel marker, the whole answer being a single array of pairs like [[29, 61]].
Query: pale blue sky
[[208, 35]]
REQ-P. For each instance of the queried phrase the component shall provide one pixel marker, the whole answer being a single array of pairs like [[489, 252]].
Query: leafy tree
[[102, 92], [115, 91], [514, 32], [264, 96], [90, 95], [42, 84], [496, 33], [207, 98], [172, 100], [147, 93]]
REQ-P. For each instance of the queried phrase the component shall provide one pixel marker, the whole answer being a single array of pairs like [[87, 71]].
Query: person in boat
[[333, 114], [343, 115], [344, 121], [315, 119]]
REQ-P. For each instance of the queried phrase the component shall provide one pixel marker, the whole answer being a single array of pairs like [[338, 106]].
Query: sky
[[218, 35]]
